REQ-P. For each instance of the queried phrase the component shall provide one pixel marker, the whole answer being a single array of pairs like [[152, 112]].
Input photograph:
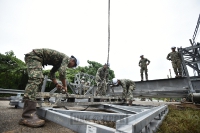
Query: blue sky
[[79, 27]]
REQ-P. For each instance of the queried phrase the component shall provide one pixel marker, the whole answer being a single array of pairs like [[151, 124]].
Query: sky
[[80, 28]]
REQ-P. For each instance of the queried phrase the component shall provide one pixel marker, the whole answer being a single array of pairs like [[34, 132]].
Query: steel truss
[[126, 119], [190, 57]]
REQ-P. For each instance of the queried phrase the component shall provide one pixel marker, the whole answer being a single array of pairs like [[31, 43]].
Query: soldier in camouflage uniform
[[34, 61], [128, 87], [143, 64], [102, 79], [81, 88], [85, 89], [175, 57]]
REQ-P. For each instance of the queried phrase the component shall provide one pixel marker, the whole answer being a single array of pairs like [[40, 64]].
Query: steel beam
[[137, 122], [11, 91], [89, 115], [147, 120], [172, 88], [73, 123]]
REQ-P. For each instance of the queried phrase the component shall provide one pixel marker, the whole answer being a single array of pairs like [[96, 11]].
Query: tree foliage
[[12, 71]]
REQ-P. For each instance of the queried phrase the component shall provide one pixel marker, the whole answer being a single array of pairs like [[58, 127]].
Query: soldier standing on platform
[[143, 64], [175, 58]]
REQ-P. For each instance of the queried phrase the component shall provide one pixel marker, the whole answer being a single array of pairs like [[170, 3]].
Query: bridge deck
[[174, 87]]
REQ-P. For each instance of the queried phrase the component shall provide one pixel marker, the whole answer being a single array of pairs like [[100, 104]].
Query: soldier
[[175, 58], [81, 89], [102, 79], [143, 64], [128, 87], [34, 61], [85, 88]]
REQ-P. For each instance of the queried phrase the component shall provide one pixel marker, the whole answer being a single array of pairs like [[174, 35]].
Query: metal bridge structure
[[113, 115]]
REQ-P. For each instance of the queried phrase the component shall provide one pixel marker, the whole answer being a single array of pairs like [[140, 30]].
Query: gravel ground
[[9, 117]]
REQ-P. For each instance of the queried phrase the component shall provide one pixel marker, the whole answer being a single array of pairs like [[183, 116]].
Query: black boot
[[29, 116], [130, 102]]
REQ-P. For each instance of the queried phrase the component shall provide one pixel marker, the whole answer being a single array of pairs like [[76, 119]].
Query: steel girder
[[144, 119]]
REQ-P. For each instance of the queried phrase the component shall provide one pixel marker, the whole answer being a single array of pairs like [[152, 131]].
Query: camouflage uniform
[[128, 87], [38, 58], [101, 80], [81, 88], [143, 65], [86, 88], [175, 57]]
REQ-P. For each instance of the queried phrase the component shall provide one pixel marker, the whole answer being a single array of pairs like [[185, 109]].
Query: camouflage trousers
[[177, 67], [128, 92], [82, 89], [35, 75], [101, 88], [144, 69]]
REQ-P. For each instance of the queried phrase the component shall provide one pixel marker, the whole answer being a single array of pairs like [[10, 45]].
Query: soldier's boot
[[141, 77], [29, 116], [146, 76], [176, 73], [130, 103], [180, 73]]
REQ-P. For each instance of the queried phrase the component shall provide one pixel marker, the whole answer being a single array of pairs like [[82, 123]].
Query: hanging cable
[[108, 30]]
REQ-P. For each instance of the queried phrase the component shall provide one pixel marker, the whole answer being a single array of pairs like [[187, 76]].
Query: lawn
[[181, 120]]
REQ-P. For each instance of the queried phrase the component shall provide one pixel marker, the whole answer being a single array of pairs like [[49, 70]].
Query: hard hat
[[114, 80], [76, 60], [173, 47]]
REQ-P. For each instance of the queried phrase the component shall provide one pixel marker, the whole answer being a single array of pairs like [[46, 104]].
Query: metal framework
[[123, 119], [120, 118], [190, 57]]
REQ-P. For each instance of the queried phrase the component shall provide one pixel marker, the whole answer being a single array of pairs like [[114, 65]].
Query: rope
[[108, 30]]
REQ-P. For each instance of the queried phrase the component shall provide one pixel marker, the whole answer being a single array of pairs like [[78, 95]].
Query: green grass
[[185, 120]]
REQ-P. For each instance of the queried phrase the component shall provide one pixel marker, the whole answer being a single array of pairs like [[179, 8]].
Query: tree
[[12, 71]]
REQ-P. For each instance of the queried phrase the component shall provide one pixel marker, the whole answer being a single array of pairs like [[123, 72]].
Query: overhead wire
[[108, 31]]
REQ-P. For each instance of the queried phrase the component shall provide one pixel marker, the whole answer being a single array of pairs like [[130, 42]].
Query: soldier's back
[[50, 56]]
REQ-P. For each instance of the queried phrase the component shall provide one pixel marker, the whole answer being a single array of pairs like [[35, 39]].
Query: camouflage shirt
[[174, 56], [102, 74], [58, 60], [125, 83], [143, 62]]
